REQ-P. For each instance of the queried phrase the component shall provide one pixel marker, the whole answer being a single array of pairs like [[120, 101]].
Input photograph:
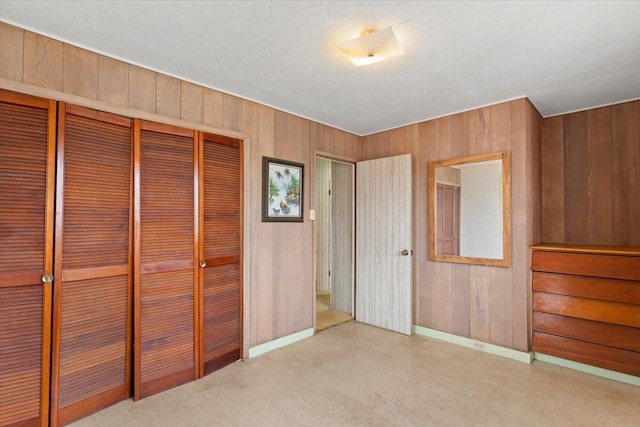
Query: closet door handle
[[47, 278], [404, 252], [202, 264]]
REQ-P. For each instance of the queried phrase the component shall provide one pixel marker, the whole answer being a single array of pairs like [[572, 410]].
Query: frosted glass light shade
[[372, 47]]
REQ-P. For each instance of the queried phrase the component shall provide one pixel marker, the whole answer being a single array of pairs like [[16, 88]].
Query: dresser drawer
[[596, 265]]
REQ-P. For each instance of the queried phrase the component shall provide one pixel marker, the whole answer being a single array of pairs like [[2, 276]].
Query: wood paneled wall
[[591, 176], [490, 304], [278, 265]]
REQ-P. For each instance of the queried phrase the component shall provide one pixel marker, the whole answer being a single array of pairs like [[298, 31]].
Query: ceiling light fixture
[[372, 46]]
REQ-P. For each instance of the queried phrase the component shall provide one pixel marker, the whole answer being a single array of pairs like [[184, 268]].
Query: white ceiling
[[565, 56]]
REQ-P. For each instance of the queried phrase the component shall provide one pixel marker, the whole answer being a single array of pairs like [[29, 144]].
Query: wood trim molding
[[115, 109]]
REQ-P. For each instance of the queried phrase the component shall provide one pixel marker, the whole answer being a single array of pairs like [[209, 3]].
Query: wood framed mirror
[[470, 210]]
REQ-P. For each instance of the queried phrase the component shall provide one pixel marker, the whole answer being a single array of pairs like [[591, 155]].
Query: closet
[[166, 246], [220, 254], [27, 167], [92, 285], [120, 258]]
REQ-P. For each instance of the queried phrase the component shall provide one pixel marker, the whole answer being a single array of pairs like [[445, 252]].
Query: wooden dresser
[[586, 304]]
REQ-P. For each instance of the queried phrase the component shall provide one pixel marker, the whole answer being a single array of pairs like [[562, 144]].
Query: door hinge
[[329, 191], [329, 272]]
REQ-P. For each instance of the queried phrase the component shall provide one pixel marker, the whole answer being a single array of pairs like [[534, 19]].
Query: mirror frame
[[505, 156]]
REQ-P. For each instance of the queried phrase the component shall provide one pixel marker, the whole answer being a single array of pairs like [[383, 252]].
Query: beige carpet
[[358, 375], [326, 317]]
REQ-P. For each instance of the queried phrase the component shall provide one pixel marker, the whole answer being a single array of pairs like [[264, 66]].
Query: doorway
[[334, 243]]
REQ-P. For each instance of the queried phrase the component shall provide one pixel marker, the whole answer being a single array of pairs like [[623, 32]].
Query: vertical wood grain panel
[[213, 109], [424, 311], [461, 300], [43, 61], [520, 223], [464, 130], [113, 81], [590, 176], [625, 164], [576, 167], [263, 321], [448, 139], [600, 177], [480, 328], [232, 107], [552, 152], [11, 52], [167, 96], [142, 89], [522, 325], [80, 72], [500, 121], [502, 302], [281, 310], [191, 102]]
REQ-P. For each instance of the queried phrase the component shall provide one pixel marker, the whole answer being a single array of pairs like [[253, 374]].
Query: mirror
[[470, 210]]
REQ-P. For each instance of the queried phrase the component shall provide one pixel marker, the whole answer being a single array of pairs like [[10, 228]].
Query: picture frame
[[282, 190]]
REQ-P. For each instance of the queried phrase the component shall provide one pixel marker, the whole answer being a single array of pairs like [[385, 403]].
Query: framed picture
[[282, 190]]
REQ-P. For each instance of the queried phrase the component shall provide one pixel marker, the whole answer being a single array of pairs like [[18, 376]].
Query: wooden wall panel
[[590, 185], [485, 303], [11, 51], [191, 102], [212, 108], [625, 164], [232, 116], [113, 81], [168, 96], [80, 72], [43, 59], [142, 89]]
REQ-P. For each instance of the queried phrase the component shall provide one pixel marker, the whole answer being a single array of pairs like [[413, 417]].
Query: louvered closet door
[[166, 247], [27, 149], [220, 257], [92, 289]]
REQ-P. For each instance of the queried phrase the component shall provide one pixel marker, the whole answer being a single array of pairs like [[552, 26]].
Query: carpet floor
[[325, 316], [358, 375]]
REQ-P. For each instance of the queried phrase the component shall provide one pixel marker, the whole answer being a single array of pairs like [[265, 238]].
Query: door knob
[[202, 264], [404, 252], [47, 278]]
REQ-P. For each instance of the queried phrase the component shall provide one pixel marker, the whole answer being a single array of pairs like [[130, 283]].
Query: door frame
[[350, 161]]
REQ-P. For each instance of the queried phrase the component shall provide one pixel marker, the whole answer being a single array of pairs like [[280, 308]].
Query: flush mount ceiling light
[[372, 46]]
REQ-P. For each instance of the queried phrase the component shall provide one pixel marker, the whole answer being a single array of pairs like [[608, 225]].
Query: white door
[[383, 243]]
